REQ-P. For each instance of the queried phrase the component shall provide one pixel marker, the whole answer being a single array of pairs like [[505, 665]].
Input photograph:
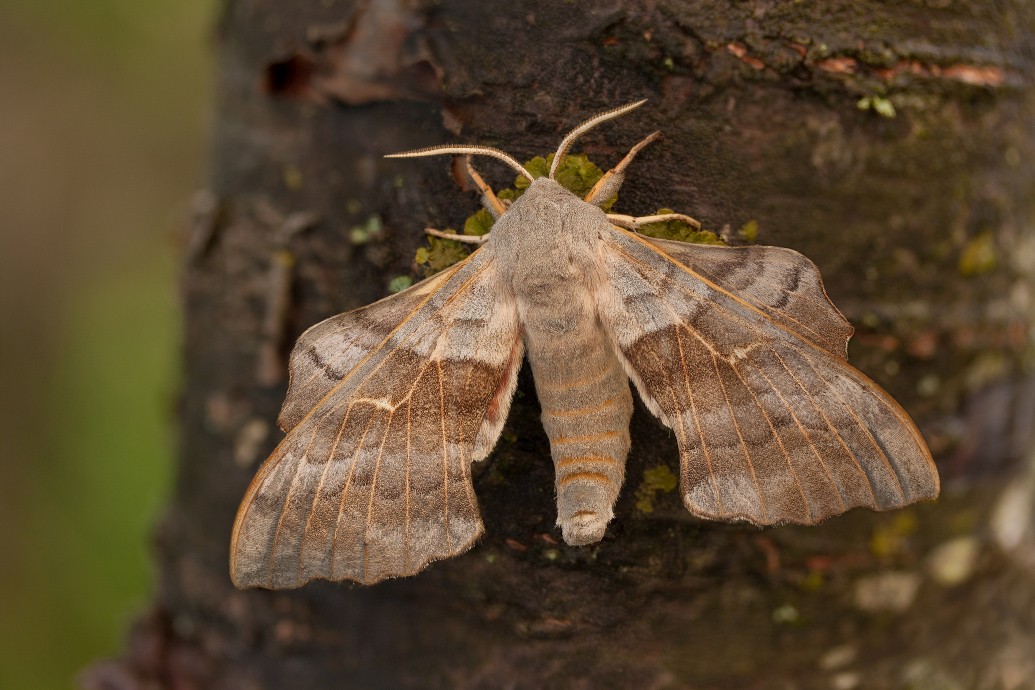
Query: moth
[[737, 349]]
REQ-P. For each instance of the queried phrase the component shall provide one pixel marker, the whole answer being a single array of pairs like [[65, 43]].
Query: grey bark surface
[[776, 116]]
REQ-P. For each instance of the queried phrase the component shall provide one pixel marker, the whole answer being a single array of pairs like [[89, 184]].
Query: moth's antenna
[[465, 151], [585, 127]]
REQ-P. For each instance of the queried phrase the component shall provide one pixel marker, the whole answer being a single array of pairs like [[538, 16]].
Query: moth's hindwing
[[388, 405], [744, 359]]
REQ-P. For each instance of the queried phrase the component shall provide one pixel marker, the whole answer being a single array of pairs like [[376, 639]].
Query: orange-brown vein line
[[736, 426], [370, 503], [348, 483], [319, 488], [406, 532], [826, 419], [787, 406], [776, 435], [445, 454], [441, 278], [815, 450], [679, 428], [287, 501], [697, 423], [873, 442], [686, 381]]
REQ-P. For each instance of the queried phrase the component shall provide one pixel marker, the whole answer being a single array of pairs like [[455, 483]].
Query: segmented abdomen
[[586, 404]]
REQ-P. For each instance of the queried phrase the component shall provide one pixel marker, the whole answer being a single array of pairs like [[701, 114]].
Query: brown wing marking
[[329, 350], [771, 426], [375, 481], [778, 281]]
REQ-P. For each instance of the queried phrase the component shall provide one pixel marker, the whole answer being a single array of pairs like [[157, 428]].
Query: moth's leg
[[608, 185], [630, 223], [472, 239], [492, 204]]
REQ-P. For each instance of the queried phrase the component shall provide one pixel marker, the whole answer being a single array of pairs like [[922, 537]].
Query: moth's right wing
[[385, 416]]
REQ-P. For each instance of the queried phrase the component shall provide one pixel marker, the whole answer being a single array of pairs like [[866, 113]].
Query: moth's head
[[601, 192]]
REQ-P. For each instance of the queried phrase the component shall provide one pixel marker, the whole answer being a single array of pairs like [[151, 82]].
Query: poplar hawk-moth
[[737, 349]]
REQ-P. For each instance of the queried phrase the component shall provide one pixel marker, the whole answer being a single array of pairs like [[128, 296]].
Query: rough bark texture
[[892, 143]]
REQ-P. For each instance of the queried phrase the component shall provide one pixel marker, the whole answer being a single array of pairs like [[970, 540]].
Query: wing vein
[[829, 424], [370, 504], [876, 446], [287, 501], [319, 488], [348, 483], [445, 455], [815, 451], [406, 532], [743, 446], [443, 277], [776, 435], [697, 423], [706, 281]]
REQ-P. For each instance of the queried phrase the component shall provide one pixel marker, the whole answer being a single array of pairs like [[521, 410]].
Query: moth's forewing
[[329, 350], [374, 480], [779, 282], [773, 425]]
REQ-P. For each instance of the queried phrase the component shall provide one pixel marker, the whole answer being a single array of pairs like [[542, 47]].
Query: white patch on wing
[[379, 403], [739, 353]]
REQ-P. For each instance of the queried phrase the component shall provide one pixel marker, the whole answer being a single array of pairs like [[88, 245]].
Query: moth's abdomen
[[586, 404]]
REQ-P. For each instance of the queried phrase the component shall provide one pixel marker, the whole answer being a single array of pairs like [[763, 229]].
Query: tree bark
[[892, 143]]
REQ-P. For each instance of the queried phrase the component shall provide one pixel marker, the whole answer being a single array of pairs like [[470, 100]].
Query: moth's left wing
[[374, 480], [772, 424]]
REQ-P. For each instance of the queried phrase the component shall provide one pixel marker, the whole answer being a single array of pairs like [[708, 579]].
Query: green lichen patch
[[891, 538], [881, 106], [441, 254], [370, 230], [479, 224], [293, 178], [654, 480], [749, 233], [680, 231], [978, 255], [399, 283], [576, 173]]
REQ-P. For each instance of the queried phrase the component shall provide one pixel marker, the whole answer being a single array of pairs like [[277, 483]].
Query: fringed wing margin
[[743, 363], [374, 481]]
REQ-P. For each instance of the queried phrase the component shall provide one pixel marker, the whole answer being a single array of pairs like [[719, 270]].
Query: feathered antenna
[[585, 127], [465, 151]]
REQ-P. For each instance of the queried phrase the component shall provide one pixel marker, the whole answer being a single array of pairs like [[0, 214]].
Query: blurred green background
[[104, 106]]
